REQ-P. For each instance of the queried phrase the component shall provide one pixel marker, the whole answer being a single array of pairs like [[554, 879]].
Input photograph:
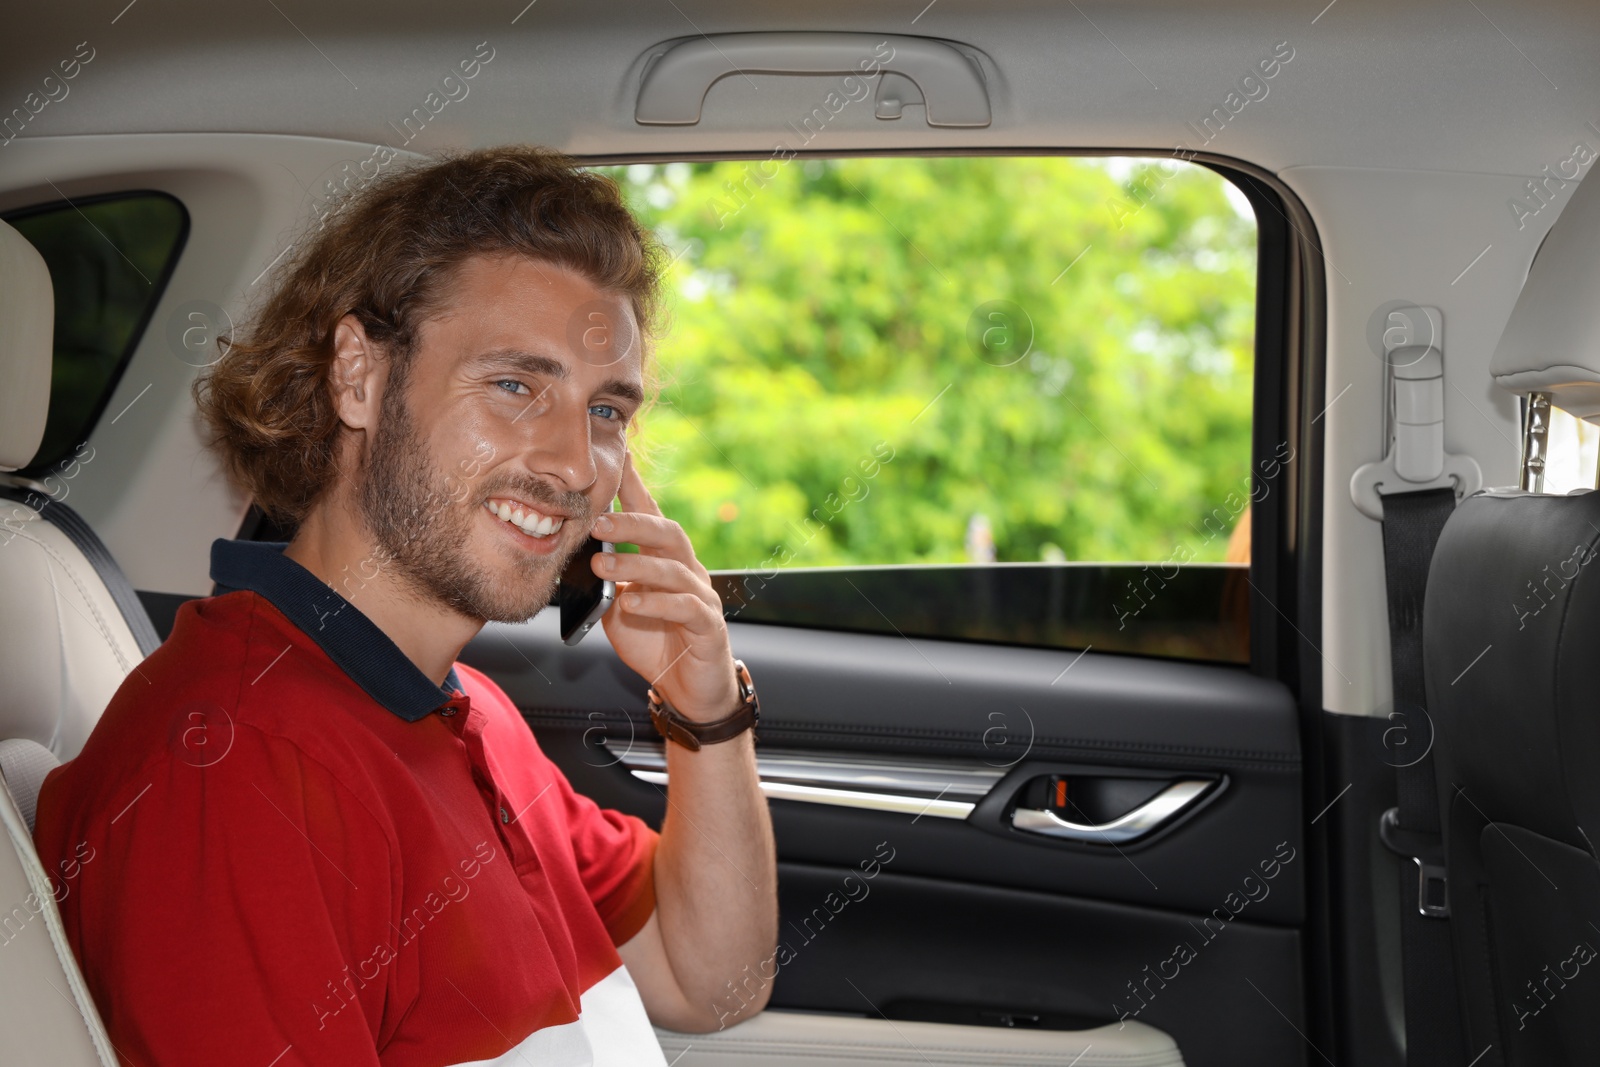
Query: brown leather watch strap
[[674, 726]]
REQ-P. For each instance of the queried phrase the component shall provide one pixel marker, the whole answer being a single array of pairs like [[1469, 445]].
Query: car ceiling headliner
[[1473, 85]]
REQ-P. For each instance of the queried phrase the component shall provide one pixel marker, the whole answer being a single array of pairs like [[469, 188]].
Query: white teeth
[[528, 521]]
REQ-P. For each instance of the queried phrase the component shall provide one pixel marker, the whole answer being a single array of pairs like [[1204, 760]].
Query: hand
[[667, 621]]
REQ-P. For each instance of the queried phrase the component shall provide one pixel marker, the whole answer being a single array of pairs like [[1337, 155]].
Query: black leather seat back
[[1512, 635]]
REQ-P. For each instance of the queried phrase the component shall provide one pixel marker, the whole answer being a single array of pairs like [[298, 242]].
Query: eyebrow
[[549, 367]]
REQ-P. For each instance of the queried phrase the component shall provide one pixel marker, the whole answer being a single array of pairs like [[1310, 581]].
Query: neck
[[334, 544]]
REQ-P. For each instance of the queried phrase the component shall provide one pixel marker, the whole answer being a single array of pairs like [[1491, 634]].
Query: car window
[[109, 260], [1003, 399]]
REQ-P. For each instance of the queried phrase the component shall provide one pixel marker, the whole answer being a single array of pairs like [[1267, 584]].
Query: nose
[[562, 448]]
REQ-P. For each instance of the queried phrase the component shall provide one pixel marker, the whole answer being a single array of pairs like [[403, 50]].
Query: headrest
[[27, 319], [1552, 342]]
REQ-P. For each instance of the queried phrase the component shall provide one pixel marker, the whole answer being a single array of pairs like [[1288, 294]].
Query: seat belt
[[1412, 523]]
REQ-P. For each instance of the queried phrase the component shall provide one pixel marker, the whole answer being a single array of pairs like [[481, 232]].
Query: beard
[[421, 520]]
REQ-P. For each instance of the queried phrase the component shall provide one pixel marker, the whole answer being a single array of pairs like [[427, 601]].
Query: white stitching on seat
[[98, 621]]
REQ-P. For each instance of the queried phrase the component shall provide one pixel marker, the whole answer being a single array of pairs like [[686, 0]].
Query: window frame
[[1285, 570]]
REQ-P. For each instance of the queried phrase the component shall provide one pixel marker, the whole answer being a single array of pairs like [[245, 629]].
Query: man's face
[[506, 437]]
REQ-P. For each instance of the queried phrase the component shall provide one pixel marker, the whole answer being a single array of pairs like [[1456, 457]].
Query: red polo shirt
[[293, 848]]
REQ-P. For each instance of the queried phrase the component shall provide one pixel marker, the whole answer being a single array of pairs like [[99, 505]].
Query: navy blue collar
[[350, 639]]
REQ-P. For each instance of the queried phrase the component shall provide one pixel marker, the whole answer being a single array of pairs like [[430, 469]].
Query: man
[[316, 838]]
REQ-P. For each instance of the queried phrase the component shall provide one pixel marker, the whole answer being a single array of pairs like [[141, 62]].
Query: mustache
[[536, 492]]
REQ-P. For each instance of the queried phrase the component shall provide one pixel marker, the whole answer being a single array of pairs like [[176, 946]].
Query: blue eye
[[511, 385], [605, 411]]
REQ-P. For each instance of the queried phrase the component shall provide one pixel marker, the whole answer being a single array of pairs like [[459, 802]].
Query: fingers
[[632, 492], [641, 523], [653, 533], [658, 572], [685, 609], [665, 602]]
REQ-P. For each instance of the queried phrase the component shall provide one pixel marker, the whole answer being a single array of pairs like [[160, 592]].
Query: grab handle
[[677, 79]]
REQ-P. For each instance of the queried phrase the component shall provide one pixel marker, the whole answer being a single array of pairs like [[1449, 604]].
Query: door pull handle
[[1135, 824]]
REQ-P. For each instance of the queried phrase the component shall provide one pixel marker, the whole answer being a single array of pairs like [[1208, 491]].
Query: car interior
[[1147, 456]]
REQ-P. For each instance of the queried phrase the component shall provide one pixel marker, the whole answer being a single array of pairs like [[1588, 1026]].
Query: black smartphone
[[583, 595]]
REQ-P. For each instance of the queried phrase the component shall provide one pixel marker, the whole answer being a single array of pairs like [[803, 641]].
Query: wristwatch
[[672, 725]]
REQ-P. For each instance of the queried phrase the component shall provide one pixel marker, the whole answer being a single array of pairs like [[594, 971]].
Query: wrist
[[710, 725], [710, 711]]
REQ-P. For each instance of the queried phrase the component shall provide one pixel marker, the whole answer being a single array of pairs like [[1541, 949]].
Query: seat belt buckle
[[1433, 896], [1427, 852]]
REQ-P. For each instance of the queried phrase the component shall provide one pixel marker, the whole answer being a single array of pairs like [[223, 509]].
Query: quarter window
[[109, 260]]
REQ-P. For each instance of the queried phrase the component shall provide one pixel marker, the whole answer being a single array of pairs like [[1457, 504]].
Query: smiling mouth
[[524, 518]]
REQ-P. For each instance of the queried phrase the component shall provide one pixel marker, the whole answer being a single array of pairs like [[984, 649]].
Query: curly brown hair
[[387, 254]]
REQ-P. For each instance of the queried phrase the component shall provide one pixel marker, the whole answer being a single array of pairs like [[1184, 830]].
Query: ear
[[356, 375]]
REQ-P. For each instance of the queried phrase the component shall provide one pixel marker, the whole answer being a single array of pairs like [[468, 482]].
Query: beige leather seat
[[805, 1039], [68, 637]]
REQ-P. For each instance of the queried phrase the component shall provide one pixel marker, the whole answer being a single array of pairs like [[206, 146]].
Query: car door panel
[[921, 948], [973, 920]]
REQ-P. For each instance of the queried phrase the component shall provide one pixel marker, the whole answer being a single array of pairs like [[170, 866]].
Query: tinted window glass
[[109, 261], [1200, 611]]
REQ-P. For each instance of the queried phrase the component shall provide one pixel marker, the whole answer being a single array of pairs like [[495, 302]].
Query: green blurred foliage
[[839, 385]]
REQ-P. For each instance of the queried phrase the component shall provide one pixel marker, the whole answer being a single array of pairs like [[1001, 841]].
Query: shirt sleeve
[[615, 852], [616, 861], [231, 913]]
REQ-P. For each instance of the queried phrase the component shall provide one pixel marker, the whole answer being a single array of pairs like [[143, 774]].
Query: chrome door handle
[[1135, 824]]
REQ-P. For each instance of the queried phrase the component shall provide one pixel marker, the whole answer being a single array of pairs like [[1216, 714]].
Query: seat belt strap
[[1412, 523]]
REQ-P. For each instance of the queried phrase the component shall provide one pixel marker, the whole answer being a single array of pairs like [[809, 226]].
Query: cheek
[[609, 455], [467, 447], [480, 450]]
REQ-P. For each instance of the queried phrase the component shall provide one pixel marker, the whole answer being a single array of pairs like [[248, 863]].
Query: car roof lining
[[1112, 76]]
